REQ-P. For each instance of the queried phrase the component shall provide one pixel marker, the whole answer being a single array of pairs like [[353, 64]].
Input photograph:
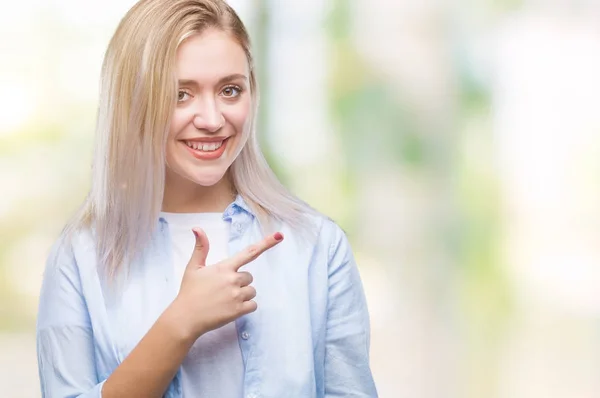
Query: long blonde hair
[[137, 98]]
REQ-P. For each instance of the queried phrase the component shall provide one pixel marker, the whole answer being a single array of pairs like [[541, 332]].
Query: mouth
[[206, 150]]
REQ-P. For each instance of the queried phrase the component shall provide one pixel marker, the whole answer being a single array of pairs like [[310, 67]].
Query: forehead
[[209, 56]]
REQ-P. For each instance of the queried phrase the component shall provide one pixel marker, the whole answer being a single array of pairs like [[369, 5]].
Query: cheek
[[178, 122], [238, 115]]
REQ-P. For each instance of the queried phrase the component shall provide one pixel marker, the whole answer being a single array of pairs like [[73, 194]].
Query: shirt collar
[[239, 205]]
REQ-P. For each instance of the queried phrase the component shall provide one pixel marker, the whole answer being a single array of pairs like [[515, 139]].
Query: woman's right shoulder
[[61, 294], [72, 247]]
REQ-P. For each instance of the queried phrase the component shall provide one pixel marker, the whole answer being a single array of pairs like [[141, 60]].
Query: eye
[[231, 91], [182, 96]]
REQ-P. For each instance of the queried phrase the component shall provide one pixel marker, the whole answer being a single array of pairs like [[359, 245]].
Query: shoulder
[[327, 235], [67, 251], [61, 295]]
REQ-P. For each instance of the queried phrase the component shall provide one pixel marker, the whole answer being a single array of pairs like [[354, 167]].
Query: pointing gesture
[[211, 297], [251, 253]]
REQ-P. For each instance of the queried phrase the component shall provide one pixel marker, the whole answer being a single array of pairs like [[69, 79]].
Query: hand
[[211, 297]]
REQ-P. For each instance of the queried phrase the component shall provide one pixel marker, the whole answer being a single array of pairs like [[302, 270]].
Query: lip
[[207, 155], [206, 139]]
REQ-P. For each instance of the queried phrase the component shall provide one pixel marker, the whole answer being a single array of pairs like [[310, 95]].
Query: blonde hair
[[137, 98]]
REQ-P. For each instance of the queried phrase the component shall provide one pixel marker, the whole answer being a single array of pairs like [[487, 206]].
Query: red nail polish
[[278, 236]]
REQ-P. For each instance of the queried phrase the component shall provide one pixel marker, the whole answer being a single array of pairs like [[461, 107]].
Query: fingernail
[[195, 233], [278, 236]]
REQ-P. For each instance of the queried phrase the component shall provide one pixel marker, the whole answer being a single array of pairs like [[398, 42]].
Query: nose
[[208, 116]]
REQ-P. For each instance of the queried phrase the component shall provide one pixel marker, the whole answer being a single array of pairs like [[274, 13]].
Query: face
[[213, 104]]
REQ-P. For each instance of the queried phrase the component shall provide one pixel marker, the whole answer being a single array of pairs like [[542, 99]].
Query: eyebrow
[[188, 82]]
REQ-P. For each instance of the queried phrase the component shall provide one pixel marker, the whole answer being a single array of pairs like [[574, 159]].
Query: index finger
[[252, 252]]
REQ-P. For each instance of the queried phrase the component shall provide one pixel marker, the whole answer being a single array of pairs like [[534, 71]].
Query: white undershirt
[[214, 365]]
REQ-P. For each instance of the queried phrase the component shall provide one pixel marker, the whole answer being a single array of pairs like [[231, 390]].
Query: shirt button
[[237, 226], [246, 336]]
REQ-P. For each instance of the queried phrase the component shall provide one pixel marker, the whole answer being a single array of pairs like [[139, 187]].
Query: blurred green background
[[456, 143]]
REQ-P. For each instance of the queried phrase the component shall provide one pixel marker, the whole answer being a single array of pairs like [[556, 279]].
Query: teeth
[[204, 147]]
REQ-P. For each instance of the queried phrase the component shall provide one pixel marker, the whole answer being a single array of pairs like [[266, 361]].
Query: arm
[[347, 371], [217, 295], [65, 343], [65, 340], [149, 368]]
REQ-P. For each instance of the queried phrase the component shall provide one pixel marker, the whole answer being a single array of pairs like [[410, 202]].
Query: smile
[[206, 150], [204, 146]]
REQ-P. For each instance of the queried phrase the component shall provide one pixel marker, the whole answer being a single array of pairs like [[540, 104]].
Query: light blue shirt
[[308, 338]]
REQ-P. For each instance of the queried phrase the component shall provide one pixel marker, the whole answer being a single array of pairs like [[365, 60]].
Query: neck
[[184, 196]]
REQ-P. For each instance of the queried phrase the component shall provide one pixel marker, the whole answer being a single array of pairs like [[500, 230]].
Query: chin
[[207, 179]]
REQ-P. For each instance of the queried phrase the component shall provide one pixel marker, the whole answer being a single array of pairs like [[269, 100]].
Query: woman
[[124, 311]]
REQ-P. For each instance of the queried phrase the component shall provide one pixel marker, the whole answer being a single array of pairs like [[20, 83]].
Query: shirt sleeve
[[65, 342], [347, 369]]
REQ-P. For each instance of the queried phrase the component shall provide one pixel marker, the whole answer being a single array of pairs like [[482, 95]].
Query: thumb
[[201, 247]]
